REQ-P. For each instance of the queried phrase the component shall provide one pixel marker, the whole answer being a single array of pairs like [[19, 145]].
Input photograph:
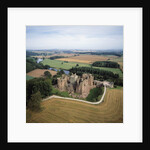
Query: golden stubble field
[[87, 58], [65, 111], [40, 72]]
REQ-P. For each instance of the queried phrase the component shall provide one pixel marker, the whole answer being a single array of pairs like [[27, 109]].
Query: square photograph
[[74, 74]]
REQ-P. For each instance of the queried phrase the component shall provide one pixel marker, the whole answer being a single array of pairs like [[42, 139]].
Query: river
[[65, 71], [39, 60]]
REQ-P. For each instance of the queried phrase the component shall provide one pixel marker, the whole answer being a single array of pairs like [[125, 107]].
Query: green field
[[114, 70], [58, 64], [29, 77]]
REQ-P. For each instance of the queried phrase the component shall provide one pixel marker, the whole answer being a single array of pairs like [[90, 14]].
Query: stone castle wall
[[81, 85]]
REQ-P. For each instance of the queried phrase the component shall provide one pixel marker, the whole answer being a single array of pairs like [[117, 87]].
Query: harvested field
[[118, 59], [65, 111], [40, 72], [87, 58]]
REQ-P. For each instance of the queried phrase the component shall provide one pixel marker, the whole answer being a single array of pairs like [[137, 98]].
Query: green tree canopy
[[47, 67], [93, 95], [44, 86], [47, 74], [35, 102], [109, 64], [60, 72]]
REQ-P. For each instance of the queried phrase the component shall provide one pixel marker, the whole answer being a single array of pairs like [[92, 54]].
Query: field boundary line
[[79, 100]]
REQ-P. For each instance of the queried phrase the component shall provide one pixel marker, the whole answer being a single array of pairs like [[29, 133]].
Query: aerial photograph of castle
[[74, 74]]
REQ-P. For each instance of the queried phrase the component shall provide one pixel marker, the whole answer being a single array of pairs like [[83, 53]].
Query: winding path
[[67, 98]]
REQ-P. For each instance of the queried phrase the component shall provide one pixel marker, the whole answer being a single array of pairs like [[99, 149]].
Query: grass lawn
[[58, 64], [59, 93], [66, 111], [29, 77]]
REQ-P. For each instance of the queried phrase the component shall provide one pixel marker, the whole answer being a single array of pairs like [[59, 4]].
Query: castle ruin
[[80, 85]]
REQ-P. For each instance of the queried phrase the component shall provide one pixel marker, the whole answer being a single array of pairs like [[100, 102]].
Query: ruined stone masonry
[[80, 85]]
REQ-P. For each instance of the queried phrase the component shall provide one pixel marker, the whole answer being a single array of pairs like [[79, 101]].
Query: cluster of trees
[[118, 82], [109, 64], [47, 74], [34, 103], [102, 74], [36, 89], [95, 94], [68, 51], [56, 57], [116, 53], [31, 64], [31, 53], [39, 88], [98, 74]]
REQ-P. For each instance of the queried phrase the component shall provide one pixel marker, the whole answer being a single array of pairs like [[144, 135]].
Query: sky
[[74, 37]]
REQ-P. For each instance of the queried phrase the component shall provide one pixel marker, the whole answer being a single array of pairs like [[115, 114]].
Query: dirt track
[[79, 100]]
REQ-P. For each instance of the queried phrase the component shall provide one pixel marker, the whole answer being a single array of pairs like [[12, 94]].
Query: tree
[[94, 93], [31, 64], [47, 74], [77, 65], [38, 84], [97, 73], [115, 86], [35, 102], [46, 66], [109, 64], [60, 72]]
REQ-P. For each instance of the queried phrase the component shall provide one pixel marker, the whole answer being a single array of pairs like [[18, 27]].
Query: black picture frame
[[146, 118]]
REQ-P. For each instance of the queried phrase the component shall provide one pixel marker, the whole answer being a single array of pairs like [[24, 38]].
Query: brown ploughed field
[[40, 72]]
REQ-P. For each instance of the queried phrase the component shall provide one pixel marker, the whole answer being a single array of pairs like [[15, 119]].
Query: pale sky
[[74, 37]]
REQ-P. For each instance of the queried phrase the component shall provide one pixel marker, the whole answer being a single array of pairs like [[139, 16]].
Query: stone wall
[[81, 85]]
